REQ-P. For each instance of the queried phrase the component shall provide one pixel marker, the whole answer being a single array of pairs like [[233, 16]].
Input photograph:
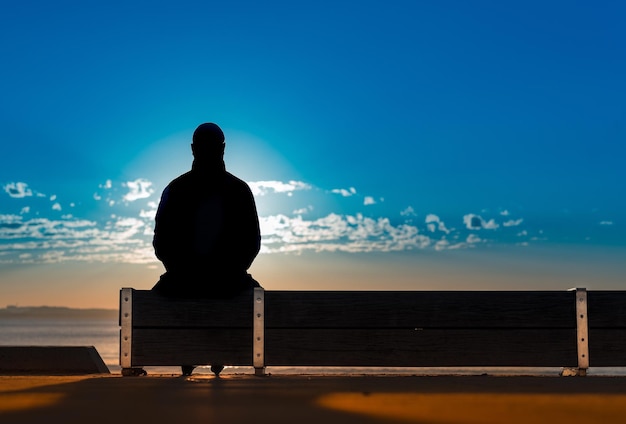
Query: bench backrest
[[377, 328]]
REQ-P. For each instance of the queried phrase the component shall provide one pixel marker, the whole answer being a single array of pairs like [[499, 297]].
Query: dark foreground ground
[[301, 399]]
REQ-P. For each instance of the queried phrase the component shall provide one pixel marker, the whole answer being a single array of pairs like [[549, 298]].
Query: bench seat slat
[[424, 309], [152, 310], [192, 347], [427, 348], [607, 347], [606, 309]]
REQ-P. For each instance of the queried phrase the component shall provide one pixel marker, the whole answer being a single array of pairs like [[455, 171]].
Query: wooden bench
[[570, 329]]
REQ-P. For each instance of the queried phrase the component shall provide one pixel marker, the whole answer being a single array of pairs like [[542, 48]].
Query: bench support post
[[582, 336], [258, 332], [582, 331], [126, 323], [126, 334]]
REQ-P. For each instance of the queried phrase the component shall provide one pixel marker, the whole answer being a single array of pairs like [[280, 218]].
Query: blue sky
[[390, 145]]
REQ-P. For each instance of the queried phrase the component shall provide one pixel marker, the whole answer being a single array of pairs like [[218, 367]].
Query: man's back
[[206, 230]]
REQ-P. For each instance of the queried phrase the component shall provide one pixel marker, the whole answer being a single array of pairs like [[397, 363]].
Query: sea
[[103, 334]]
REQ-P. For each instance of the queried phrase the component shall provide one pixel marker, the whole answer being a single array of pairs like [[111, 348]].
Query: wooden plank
[[607, 347], [364, 309], [606, 309], [425, 348], [153, 310], [420, 309], [191, 347]]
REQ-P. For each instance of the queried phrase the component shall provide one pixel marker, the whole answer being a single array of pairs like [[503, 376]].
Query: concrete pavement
[[315, 399]]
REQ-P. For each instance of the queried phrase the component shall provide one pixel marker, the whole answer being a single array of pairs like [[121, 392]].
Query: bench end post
[[126, 324], [582, 330], [258, 331]]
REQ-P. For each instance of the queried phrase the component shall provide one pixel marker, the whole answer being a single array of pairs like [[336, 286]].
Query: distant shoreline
[[29, 312]]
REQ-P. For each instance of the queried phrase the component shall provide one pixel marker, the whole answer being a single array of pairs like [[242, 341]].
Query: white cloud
[[490, 225], [431, 217], [126, 228], [505, 213], [148, 214], [303, 211], [409, 211], [344, 192], [513, 222], [120, 237], [606, 222], [10, 220], [442, 244], [42, 228], [18, 190], [433, 223], [43, 240], [56, 206], [349, 233], [138, 189], [261, 188], [474, 222]]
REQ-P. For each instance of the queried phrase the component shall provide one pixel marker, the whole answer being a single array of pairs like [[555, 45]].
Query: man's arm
[[253, 233], [164, 232], [243, 238]]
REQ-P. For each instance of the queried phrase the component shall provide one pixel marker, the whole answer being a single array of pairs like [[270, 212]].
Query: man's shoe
[[217, 369], [187, 369]]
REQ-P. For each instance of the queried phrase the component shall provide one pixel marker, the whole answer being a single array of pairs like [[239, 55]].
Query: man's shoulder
[[181, 179], [190, 180], [179, 183], [234, 180]]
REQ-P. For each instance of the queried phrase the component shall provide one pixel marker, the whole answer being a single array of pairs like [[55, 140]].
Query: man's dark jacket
[[206, 233]]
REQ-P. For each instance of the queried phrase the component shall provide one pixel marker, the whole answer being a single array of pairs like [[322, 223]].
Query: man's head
[[208, 142]]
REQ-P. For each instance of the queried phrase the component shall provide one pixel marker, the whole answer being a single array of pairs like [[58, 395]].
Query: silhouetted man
[[207, 228]]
